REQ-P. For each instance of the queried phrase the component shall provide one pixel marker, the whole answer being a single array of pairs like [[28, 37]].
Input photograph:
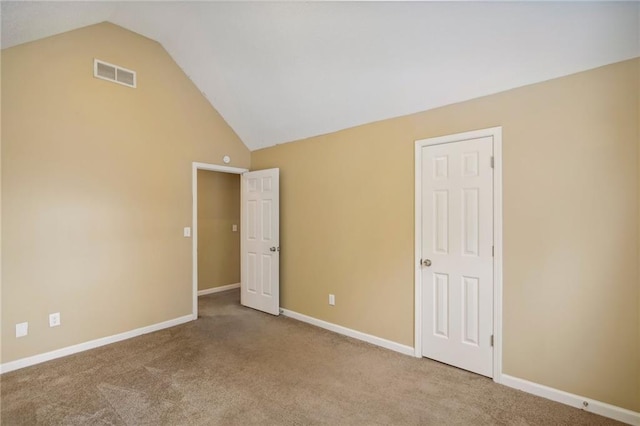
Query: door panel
[[457, 224], [260, 237]]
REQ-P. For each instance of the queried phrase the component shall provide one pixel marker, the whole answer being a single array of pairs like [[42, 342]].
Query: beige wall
[[96, 187], [571, 301], [218, 244]]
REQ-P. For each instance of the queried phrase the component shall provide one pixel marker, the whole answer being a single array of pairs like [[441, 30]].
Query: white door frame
[[496, 134], [194, 220]]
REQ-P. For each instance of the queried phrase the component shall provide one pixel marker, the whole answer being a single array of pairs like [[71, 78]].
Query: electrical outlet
[[234, 228], [54, 319], [22, 329], [186, 231], [332, 299]]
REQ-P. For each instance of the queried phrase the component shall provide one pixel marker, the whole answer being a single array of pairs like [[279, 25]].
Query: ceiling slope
[[279, 72]]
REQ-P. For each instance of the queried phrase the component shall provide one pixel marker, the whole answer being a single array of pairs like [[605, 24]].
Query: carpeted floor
[[239, 366]]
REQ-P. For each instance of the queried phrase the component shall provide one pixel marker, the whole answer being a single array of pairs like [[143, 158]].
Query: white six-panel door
[[260, 241], [457, 252]]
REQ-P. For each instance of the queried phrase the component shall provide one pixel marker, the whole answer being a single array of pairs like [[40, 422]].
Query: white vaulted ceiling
[[279, 72]]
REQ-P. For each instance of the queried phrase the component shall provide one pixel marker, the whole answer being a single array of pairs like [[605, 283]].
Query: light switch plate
[[234, 228], [187, 231]]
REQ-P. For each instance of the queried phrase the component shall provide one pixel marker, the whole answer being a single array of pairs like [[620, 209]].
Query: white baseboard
[[577, 401], [378, 341], [218, 289], [81, 347]]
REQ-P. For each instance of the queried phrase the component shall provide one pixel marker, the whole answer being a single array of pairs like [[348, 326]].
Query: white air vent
[[107, 71]]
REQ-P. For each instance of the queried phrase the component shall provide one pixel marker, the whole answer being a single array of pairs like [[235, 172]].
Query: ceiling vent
[[107, 71]]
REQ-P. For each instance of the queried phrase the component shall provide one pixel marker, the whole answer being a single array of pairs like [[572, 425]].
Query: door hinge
[[492, 162], [492, 340]]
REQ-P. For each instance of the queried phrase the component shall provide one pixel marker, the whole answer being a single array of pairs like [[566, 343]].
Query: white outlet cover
[[54, 319], [234, 228], [187, 231], [22, 329]]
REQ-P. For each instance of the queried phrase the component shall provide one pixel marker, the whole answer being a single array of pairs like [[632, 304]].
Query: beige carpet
[[238, 366]]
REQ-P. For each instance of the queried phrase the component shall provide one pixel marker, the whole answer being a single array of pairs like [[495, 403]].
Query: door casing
[[194, 221], [496, 134]]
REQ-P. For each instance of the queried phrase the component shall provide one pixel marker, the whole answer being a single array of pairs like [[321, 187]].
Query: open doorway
[[215, 211], [218, 233]]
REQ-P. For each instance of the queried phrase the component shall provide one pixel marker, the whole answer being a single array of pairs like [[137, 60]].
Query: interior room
[[135, 134]]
